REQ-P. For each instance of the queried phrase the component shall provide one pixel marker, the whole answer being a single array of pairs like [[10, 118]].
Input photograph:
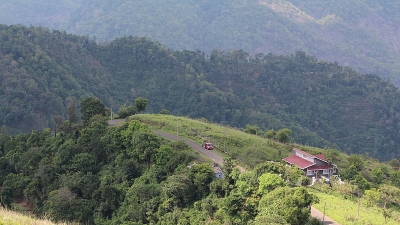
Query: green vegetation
[[96, 174], [374, 182], [248, 149], [11, 217], [345, 211], [46, 74], [351, 33]]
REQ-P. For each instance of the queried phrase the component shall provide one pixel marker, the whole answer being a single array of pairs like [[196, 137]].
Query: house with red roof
[[313, 165]]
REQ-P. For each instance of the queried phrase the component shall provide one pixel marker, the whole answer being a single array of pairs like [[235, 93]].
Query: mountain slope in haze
[[41, 71], [324, 104], [363, 34]]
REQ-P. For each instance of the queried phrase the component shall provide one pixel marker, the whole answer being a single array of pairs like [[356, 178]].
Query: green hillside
[[97, 174], [44, 74], [361, 34]]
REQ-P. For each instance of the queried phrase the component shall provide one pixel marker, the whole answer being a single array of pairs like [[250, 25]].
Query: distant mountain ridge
[[363, 34]]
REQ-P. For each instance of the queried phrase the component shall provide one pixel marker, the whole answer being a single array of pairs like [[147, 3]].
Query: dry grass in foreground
[[8, 217]]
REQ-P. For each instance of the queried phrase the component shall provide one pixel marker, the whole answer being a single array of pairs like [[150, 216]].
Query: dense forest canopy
[[44, 73], [93, 173], [363, 34], [128, 175]]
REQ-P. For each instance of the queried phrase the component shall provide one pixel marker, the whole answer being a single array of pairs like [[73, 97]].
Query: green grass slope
[[8, 217], [246, 148]]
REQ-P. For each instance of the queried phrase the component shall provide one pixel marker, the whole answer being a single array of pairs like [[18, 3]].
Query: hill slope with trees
[[363, 34], [46, 73], [95, 174]]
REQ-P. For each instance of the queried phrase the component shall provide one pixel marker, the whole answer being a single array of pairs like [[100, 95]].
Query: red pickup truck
[[207, 146]]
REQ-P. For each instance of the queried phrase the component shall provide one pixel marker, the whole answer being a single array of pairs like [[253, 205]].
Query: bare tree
[[58, 121], [71, 111]]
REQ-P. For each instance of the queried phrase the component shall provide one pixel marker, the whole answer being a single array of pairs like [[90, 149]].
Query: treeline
[[322, 103], [331, 30], [94, 174]]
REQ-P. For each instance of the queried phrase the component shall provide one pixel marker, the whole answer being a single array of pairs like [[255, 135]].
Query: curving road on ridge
[[218, 159], [209, 153]]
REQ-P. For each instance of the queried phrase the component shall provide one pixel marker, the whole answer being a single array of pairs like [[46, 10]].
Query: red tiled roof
[[298, 161], [321, 156]]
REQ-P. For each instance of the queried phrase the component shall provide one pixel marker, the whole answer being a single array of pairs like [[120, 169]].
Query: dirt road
[[319, 215], [218, 159]]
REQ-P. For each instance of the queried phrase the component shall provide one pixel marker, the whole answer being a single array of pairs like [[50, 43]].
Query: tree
[[270, 134], [58, 121], [357, 161], [71, 111], [389, 195], [6, 196], [144, 145], [268, 182], [83, 162], [141, 104], [91, 106], [63, 205], [283, 135], [246, 184], [162, 155], [179, 188], [293, 204], [371, 197], [125, 111], [4, 137], [107, 200], [395, 178], [394, 163], [252, 129], [201, 175], [269, 216], [349, 173]]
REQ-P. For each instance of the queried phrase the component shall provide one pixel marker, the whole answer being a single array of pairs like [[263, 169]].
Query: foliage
[[90, 107], [269, 182], [141, 104], [315, 27], [289, 203], [127, 175], [316, 100], [125, 111]]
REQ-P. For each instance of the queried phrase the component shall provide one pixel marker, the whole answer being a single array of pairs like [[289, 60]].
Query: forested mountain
[[363, 34], [323, 103]]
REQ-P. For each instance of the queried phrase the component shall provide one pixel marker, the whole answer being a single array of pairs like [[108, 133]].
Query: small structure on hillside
[[313, 165], [217, 170]]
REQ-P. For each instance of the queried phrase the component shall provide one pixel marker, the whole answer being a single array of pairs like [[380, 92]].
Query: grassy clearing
[[248, 149], [8, 217], [345, 211]]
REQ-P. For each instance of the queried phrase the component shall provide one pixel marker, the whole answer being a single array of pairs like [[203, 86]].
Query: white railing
[[310, 172]]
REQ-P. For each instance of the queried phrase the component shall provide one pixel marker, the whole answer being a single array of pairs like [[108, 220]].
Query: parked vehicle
[[207, 145]]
